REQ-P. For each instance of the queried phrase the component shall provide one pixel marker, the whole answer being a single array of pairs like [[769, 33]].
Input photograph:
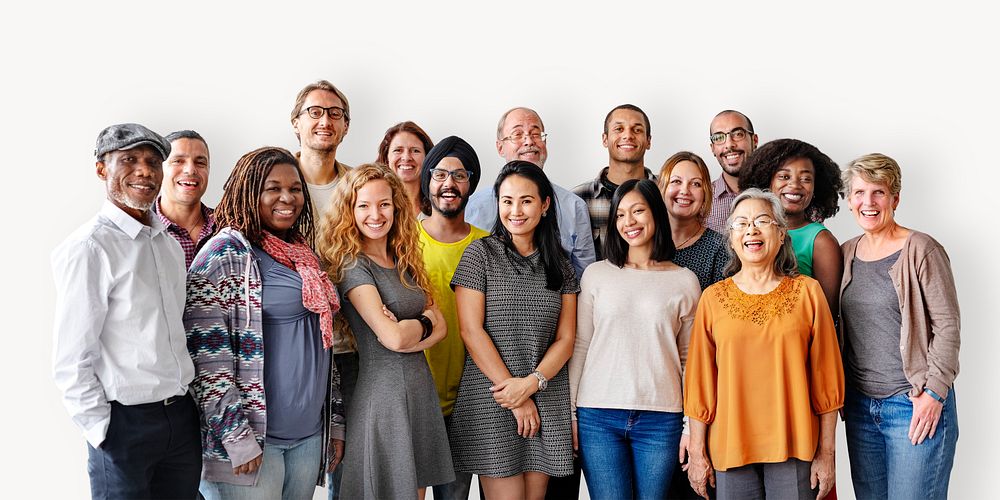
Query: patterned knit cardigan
[[222, 318]]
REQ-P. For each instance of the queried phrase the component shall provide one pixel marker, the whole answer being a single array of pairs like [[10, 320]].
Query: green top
[[802, 242]]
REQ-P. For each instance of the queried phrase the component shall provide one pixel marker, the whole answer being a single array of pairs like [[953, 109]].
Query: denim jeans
[[628, 453], [287, 472], [884, 464]]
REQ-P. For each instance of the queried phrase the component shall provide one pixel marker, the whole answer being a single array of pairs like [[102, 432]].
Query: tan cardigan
[[928, 306]]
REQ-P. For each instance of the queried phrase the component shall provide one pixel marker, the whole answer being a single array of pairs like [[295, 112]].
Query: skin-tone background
[[850, 78]]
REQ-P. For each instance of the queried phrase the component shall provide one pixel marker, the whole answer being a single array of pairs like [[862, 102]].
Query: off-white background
[[916, 83]]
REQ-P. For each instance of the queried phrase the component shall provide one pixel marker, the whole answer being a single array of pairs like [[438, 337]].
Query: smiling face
[[520, 206], [406, 154], [684, 193], [634, 220], [794, 183], [323, 134], [873, 204], [527, 149], [731, 154], [132, 178], [373, 210], [448, 196], [755, 245], [626, 139], [186, 172], [282, 200]]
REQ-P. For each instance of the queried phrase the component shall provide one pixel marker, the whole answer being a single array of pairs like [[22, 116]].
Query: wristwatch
[[428, 326], [542, 381]]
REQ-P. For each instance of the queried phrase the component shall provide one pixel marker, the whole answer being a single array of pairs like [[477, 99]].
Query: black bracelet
[[428, 326]]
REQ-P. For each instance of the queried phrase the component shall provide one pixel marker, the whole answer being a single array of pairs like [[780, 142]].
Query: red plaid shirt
[[189, 245]]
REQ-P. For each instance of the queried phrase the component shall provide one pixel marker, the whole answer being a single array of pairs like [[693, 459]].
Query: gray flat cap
[[127, 136]]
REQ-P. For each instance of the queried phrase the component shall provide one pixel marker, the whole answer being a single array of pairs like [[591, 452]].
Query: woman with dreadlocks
[[397, 445], [259, 321]]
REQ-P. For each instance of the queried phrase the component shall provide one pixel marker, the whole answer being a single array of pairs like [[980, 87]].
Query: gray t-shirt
[[872, 320]]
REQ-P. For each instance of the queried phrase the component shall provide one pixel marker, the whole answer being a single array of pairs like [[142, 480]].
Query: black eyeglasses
[[737, 134], [440, 175], [316, 112]]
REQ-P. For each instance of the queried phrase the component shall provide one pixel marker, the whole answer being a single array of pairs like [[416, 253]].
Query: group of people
[[386, 328]]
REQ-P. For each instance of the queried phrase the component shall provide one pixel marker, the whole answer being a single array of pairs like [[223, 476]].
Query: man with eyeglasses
[[185, 179], [320, 119], [521, 136], [449, 175], [627, 137], [732, 139]]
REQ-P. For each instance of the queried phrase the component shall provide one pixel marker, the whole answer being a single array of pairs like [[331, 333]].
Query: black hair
[[546, 236], [186, 134], [761, 165], [630, 107], [616, 249]]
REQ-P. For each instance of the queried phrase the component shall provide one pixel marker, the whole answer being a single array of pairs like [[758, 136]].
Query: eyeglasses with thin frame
[[316, 112], [520, 135], [737, 134], [741, 224], [461, 176]]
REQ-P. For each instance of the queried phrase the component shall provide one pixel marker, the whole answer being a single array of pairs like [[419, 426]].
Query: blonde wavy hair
[[340, 242]]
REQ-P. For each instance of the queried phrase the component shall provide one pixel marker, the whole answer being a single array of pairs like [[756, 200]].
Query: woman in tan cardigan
[[899, 335]]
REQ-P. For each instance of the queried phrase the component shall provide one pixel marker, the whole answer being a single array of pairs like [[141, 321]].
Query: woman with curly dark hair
[[807, 182]]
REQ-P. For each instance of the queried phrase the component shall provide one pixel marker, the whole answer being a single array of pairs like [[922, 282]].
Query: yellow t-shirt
[[447, 358]]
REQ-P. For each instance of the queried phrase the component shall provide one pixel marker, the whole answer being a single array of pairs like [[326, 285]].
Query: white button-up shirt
[[120, 291]]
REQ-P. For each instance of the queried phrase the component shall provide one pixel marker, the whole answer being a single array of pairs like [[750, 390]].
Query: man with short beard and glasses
[[521, 136], [732, 139], [179, 206], [321, 117], [449, 175], [120, 357], [627, 136]]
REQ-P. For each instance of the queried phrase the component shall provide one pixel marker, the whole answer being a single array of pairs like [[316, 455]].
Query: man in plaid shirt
[[732, 139], [185, 179], [627, 138]]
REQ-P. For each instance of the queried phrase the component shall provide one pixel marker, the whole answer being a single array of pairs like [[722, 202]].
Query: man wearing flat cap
[[120, 356], [449, 175]]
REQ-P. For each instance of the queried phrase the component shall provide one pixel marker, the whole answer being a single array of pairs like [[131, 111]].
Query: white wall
[[916, 84]]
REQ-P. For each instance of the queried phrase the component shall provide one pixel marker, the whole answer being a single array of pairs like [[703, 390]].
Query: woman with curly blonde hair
[[397, 444]]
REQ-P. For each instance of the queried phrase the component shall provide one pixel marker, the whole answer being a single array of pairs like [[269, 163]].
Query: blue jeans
[[287, 472], [884, 464], [628, 453]]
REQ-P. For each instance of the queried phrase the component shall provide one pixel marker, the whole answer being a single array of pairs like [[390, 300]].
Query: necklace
[[696, 233]]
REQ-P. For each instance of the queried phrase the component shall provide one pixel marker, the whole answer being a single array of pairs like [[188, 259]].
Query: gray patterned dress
[[396, 440], [521, 320]]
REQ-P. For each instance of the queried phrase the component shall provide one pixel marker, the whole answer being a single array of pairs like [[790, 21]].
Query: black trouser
[[151, 450]]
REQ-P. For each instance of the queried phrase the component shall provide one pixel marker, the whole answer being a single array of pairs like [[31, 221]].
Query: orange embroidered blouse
[[760, 370]]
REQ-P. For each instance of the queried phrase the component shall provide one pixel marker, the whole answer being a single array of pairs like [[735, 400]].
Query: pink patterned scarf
[[318, 294]]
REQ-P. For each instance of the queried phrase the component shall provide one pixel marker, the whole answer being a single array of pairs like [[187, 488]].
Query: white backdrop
[[916, 84]]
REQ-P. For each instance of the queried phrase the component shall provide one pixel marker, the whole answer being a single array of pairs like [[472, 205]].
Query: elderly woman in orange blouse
[[764, 378]]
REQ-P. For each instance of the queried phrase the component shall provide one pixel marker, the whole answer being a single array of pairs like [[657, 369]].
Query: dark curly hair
[[759, 169]]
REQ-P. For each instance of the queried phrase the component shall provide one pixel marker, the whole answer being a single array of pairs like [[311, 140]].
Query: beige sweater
[[929, 334], [632, 333]]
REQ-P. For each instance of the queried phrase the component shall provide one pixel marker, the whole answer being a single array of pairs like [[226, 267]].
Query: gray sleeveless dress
[[396, 439]]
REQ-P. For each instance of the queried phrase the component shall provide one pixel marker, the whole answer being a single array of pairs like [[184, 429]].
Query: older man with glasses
[[732, 139], [521, 136]]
